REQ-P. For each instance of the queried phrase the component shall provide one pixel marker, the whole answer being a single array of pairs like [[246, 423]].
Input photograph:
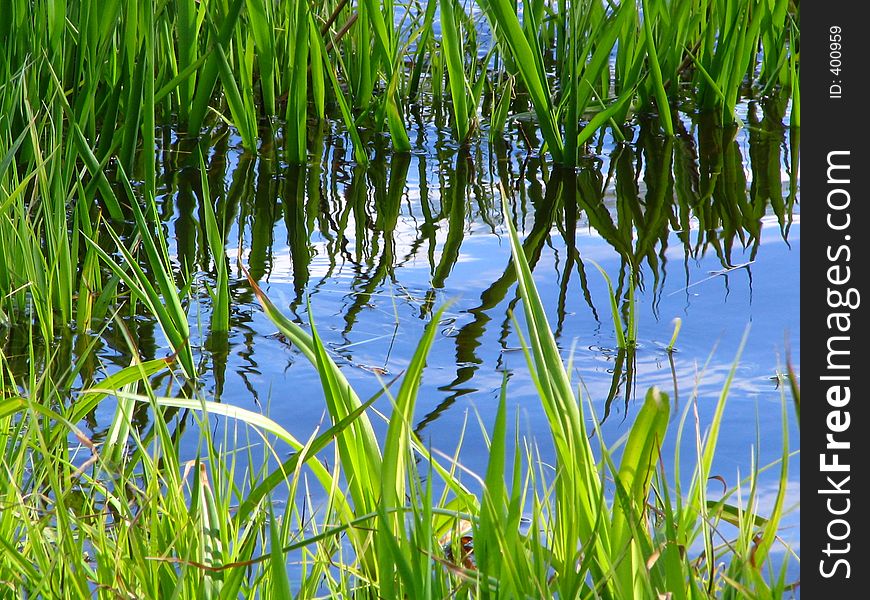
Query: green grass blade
[[452, 48], [277, 562], [220, 310], [618, 326], [264, 38], [639, 457], [211, 70], [656, 71], [511, 34]]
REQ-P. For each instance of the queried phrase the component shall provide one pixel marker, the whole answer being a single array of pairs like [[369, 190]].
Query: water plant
[[93, 96], [249, 62], [194, 528]]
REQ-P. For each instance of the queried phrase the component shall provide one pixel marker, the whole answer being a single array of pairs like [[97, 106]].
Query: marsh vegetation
[[373, 298]]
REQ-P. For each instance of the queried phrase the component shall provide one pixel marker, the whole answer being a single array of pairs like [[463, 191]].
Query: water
[[709, 221]]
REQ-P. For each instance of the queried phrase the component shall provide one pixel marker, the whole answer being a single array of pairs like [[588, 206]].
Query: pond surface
[[708, 220]]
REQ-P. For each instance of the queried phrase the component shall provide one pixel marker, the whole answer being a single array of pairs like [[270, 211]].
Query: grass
[[126, 68], [86, 87], [131, 516], [103, 77]]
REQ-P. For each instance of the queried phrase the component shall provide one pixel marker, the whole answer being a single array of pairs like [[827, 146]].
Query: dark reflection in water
[[375, 249]]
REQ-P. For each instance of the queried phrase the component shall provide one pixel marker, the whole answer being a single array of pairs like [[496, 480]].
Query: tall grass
[[466, 84], [132, 516], [83, 88], [250, 62]]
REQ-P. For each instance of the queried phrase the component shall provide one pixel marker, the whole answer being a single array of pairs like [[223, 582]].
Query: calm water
[[709, 220]]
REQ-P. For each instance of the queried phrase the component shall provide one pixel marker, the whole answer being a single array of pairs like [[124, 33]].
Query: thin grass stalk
[[262, 26], [220, 295], [656, 72], [510, 33], [163, 300], [359, 151], [219, 39], [452, 47], [578, 487], [297, 100]]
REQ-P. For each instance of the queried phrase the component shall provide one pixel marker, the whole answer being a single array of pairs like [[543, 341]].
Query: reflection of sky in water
[[371, 320], [715, 309]]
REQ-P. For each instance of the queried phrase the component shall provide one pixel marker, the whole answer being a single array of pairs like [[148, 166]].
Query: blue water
[[710, 221]]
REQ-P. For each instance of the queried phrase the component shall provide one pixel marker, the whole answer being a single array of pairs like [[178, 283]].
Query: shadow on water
[[338, 225]]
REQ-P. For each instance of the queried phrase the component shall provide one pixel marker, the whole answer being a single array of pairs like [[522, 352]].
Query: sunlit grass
[[84, 87], [130, 515]]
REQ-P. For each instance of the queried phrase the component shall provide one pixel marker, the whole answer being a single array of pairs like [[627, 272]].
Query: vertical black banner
[[835, 254]]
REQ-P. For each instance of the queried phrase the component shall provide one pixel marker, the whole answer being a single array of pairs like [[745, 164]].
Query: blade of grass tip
[[452, 48], [678, 324], [614, 307], [656, 72], [639, 456]]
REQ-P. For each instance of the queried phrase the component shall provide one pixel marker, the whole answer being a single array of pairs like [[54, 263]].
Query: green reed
[[131, 516], [249, 62], [84, 86]]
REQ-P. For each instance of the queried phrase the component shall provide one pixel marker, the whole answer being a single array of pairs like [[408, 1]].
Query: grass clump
[[127, 68], [253, 510], [130, 516]]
